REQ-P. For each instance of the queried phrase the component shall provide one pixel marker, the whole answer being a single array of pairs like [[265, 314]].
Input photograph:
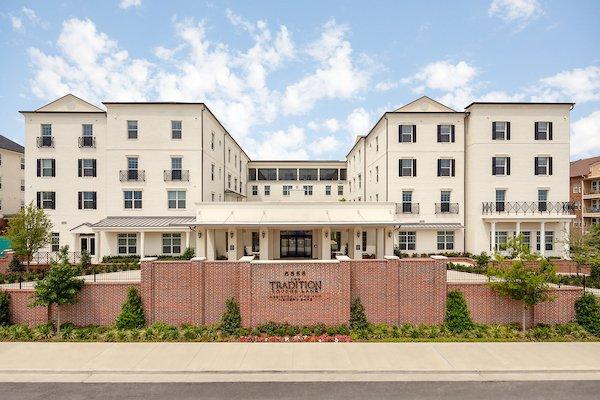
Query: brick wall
[[5, 261]]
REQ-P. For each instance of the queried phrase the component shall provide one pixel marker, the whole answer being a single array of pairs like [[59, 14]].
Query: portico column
[[210, 244], [542, 238], [187, 239], [232, 250], [566, 249], [389, 241], [518, 229], [200, 242], [263, 243], [493, 233], [325, 244], [142, 244], [380, 242], [357, 235]]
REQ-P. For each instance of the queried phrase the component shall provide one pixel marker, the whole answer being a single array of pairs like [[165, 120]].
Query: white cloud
[[16, 23], [443, 75], [501, 96], [33, 17], [124, 4], [584, 136], [325, 145], [578, 85], [386, 85], [280, 145], [163, 53], [338, 75], [330, 125], [520, 12], [358, 122]]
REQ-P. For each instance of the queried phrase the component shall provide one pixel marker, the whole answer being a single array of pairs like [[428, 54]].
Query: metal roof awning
[[431, 226], [143, 222]]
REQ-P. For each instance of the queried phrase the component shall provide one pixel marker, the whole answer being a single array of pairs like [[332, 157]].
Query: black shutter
[[508, 131], [493, 131], [94, 200], [414, 134], [53, 167], [439, 167], [549, 165], [399, 133], [453, 166], [493, 165], [400, 167], [507, 165], [535, 165], [439, 133], [53, 200], [39, 167], [94, 167], [79, 168], [549, 130], [414, 163], [39, 199], [80, 200], [452, 138], [535, 131]]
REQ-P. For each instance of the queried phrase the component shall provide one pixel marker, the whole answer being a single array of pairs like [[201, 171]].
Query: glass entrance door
[[88, 243], [296, 244]]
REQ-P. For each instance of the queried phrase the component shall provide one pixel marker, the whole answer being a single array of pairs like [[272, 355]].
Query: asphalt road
[[547, 390]]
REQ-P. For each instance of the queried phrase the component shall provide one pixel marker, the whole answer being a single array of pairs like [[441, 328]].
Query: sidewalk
[[218, 362]]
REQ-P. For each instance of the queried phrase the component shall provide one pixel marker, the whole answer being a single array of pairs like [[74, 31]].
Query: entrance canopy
[[295, 214]]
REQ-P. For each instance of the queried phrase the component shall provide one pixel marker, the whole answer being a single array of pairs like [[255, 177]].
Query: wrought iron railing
[[527, 207], [86, 141], [47, 257], [177, 175], [407, 208], [136, 175], [446, 208], [592, 209], [45, 141]]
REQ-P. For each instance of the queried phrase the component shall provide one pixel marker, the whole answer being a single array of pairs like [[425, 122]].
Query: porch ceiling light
[[326, 234], [357, 234], [199, 235], [231, 234], [389, 234], [263, 234]]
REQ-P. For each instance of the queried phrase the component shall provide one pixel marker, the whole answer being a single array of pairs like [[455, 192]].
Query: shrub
[[595, 270], [587, 313], [358, 319], [188, 254], [15, 265], [4, 308], [86, 261], [231, 320], [132, 311], [482, 260], [458, 318]]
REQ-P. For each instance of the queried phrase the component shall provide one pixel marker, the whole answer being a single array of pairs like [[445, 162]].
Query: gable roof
[[424, 104], [7, 144], [582, 167], [69, 103]]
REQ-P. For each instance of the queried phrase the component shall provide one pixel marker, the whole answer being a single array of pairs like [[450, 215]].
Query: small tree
[[59, 286], [519, 250], [29, 231], [15, 265], [587, 313], [458, 318], [132, 311], [358, 319], [528, 285], [231, 321], [85, 262], [4, 308], [585, 249]]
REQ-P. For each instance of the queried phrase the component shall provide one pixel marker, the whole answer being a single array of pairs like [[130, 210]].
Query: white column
[[187, 239], [566, 249], [232, 250], [325, 243], [389, 241], [493, 233], [263, 243], [518, 228], [142, 244], [357, 235], [200, 238], [542, 238], [210, 244], [380, 242]]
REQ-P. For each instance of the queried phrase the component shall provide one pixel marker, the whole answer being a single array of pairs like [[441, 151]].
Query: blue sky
[[301, 79]]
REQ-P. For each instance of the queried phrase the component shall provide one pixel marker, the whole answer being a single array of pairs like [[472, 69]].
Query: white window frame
[[445, 137], [445, 240], [267, 190], [87, 170], [327, 190], [176, 130], [503, 130], [87, 200], [176, 199], [545, 131], [132, 129], [445, 170], [46, 167], [127, 242], [407, 240], [405, 134], [55, 241], [254, 190], [543, 168], [403, 168], [46, 200], [286, 190], [171, 242], [308, 190], [500, 167], [133, 198]]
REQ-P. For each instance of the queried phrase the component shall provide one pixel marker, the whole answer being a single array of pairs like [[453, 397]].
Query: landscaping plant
[[29, 231], [587, 313], [358, 319], [458, 318], [231, 321], [4, 308], [132, 311]]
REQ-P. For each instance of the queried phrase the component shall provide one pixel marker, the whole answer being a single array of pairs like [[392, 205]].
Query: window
[[364, 240], [267, 174], [87, 130], [267, 190], [288, 174], [377, 143], [445, 240], [543, 131], [55, 241], [408, 167], [595, 187], [127, 243], [176, 164], [445, 201], [0, 159], [543, 165], [407, 206], [46, 130], [500, 130], [308, 174], [500, 165], [445, 133], [22, 185], [576, 188], [343, 172], [328, 174], [22, 163], [212, 197], [445, 167], [252, 174], [229, 181], [501, 239], [228, 155], [254, 190], [377, 173], [46, 167], [86, 167], [500, 199], [359, 181], [235, 184], [407, 133], [542, 200], [286, 190], [175, 129], [171, 243], [86, 200], [212, 172], [255, 242], [212, 140], [176, 199], [327, 190], [548, 242], [340, 190], [132, 129], [407, 240], [46, 200], [527, 239], [308, 190], [132, 199]]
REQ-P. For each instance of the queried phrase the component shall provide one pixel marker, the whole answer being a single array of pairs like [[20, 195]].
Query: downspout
[[365, 170], [202, 155], [387, 171], [465, 169]]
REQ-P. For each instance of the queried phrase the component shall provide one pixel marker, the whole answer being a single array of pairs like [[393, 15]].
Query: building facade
[[157, 178], [585, 193], [12, 175]]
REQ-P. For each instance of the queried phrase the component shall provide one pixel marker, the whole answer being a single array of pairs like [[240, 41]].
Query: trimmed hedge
[[458, 318]]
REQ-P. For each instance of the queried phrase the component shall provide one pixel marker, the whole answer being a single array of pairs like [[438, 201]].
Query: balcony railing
[[48, 257], [45, 141], [592, 210], [132, 175], [592, 191], [177, 175], [407, 208], [86, 141], [446, 208], [527, 207]]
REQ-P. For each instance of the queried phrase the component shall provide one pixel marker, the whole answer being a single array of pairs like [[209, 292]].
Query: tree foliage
[[231, 320], [358, 319], [132, 311], [458, 318], [585, 249], [4, 308], [587, 313], [517, 249], [29, 231]]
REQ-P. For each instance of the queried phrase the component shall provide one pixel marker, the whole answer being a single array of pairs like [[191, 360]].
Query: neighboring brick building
[[585, 192]]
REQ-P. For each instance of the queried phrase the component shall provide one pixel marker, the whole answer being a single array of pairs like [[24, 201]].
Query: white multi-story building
[[12, 177], [155, 178]]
